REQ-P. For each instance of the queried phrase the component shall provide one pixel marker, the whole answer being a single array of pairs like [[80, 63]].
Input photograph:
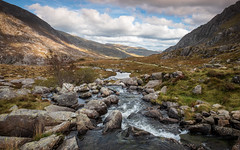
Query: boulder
[[130, 81], [217, 106], [66, 99], [157, 76], [173, 113], [99, 82], [200, 128], [153, 83], [236, 115], [113, 99], [149, 90], [22, 92], [105, 91], [223, 123], [139, 81], [95, 91], [93, 114], [133, 131], [223, 115], [69, 144], [12, 142], [7, 93], [82, 88], [226, 131], [149, 97], [163, 90], [61, 128], [113, 121], [197, 89], [97, 105], [83, 124], [168, 120], [13, 108], [67, 87], [153, 113], [62, 116], [40, 90], [24, 122], [169, 104], [208, 120], [55, 108], [85, 95], [46, 143], [28, 81]]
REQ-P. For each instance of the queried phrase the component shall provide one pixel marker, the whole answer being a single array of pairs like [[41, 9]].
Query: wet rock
[[163, 90], [85, 95], [226, 131], [153, 83], [97, 105], [153, 113], [130, 81], [197, 89], [105, 91], [200, 128], [113, 121], [55, 108], [113, 99], [236, 146], [40, 90], [46, 143], [69, 144], [168, 120], [99, 82], [209, 120], [149, 90], [82, 88], [83, 124], [133, 131], [173, 113], [93, 114], [223, 123], [149, 97], [157, 76], [61, 128], [236, 79], [236, 115], [67, 87], [61, 116], [12, 142], [24, 122], [66, 99]]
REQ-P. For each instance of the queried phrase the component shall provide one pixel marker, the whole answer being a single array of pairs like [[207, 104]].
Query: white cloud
[[91, 24]]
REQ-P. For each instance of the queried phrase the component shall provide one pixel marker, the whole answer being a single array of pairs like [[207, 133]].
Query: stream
[[131, 106]]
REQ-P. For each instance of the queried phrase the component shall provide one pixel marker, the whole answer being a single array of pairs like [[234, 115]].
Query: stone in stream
[[134, 131], [105, 91], [153, 113], [46, 143], [113, 121], [97, 105], [81, 88], [61, 128], [83, 124], [149, 97], [200, 128], [226, 131], [85, 95], [12, 142], [66, 99], [69, 144], [130, 81], [93, 114]]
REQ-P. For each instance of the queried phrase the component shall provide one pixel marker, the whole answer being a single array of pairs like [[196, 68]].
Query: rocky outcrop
[[46, 143], [83, 124], [93, 114], [12, 142], [66, 99], [113, 121]]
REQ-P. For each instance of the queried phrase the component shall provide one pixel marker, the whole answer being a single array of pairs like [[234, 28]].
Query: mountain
[[27, 39], [222, 33]]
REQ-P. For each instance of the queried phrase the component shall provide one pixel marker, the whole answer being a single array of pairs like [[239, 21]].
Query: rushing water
[[131, 106]]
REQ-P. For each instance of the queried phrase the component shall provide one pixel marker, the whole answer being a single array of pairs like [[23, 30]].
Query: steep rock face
[[222, 28]]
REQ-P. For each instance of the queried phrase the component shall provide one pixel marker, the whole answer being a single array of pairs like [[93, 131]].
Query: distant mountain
[[221, 33], [27, 39]]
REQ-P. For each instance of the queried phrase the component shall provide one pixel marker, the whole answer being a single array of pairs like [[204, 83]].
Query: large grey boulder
[[83, 124], [46, 143], [200, 128], [93, 114], [226, 131], [105, 91], [153, 83], [130, 81], [173, 113], [113, 121], [66, 99], [12, 142], [55, 108], [25, 123], [40, 90], [97, 105], [157, 76], [69, 144], [62, 116], [149, 97], [67, 87]]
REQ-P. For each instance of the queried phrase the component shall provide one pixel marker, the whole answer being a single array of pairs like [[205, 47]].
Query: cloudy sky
[[152, 24]]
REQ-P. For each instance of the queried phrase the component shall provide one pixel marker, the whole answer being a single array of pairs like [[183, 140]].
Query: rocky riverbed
[[115, 114]]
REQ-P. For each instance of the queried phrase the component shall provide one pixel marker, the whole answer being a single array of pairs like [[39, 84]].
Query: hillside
[[27, 39], [222, 33]]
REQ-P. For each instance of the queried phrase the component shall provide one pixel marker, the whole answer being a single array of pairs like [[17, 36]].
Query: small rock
[[197, 89], [99, 82], [209, 120], [153, 113], [67, 87], [149, 97], [217, 106], [85, 95], [153, 83], [173, 113], [105, 91], [164, 90], [13, 108], [40, 90], [157, 76], [95, 91], [113, 121]]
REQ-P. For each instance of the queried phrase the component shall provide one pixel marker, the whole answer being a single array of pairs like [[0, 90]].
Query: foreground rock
[[66, 99], [69, 144], [55, 108], [105, 91], [113, 121], [97, 105], [24, 122], [93, 114], [83, 124], [12, 142], [112, 99], [133, 131], [61, 128], [46, 143], [149, 97]]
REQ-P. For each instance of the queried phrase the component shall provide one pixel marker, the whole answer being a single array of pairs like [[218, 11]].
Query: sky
[[152, 24]]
